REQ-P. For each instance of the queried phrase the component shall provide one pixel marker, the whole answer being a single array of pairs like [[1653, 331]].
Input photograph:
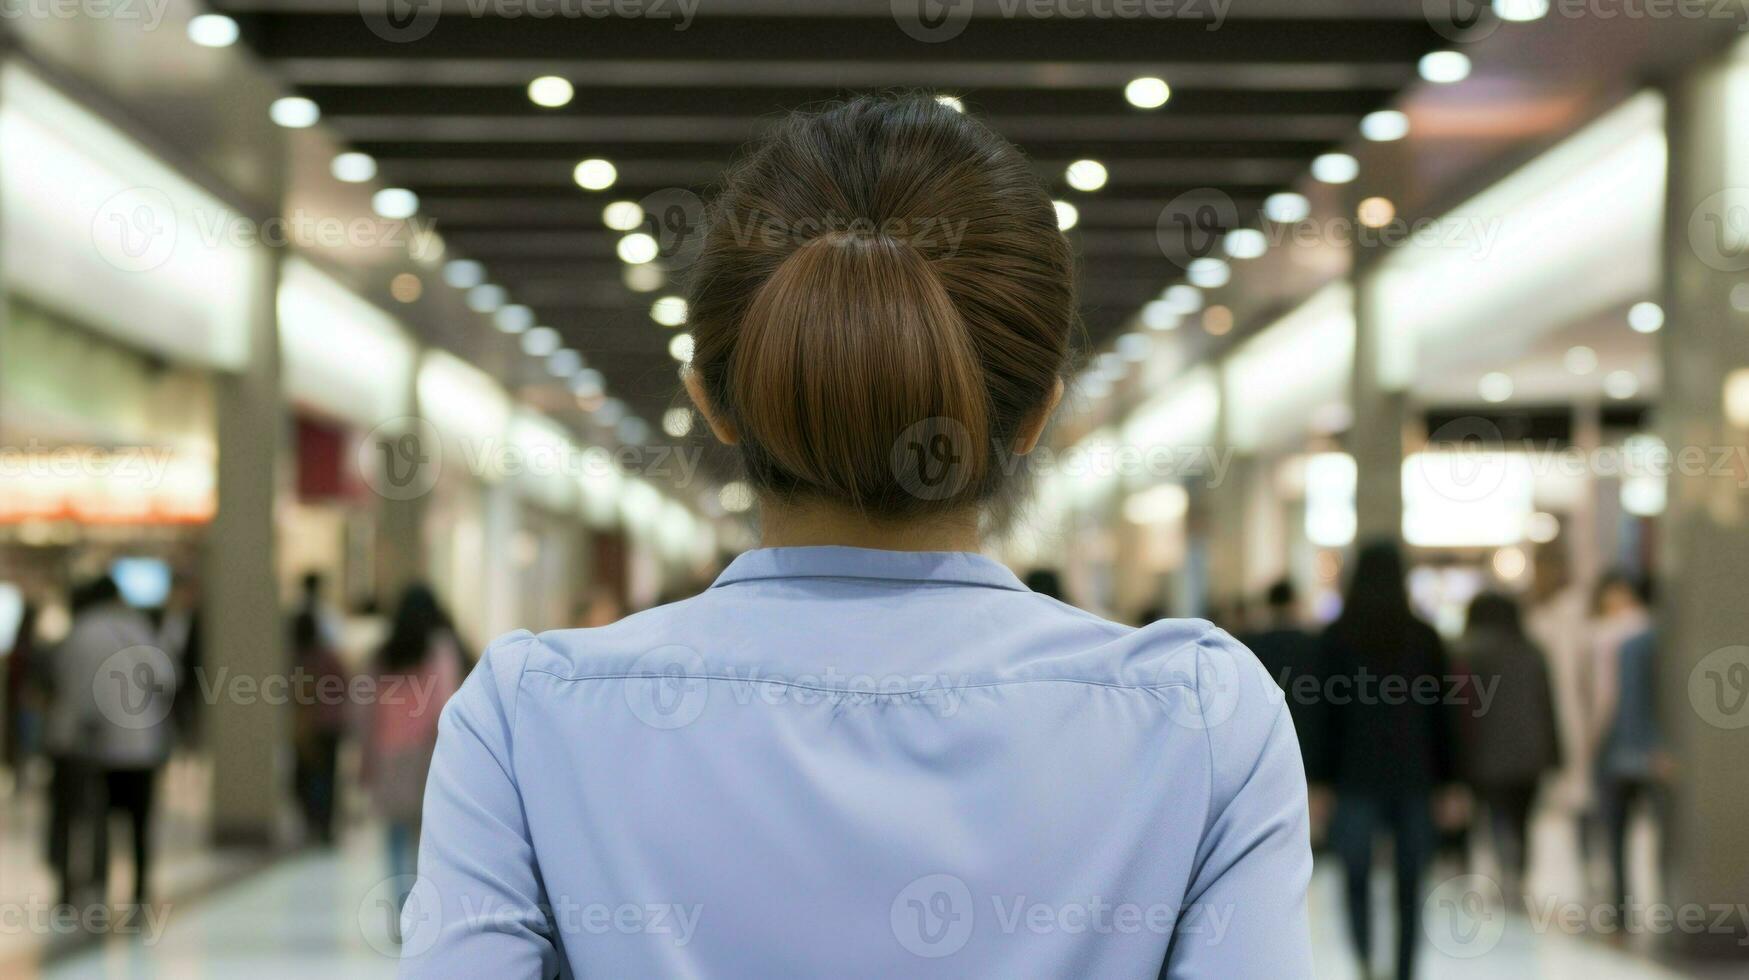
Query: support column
[[400, 525], [1704, 641], [1375, 437], [245, 625]]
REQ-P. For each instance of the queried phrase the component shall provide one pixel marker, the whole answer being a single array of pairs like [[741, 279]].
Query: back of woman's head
[[1375, 609], [417, 616], [881, 304], [1494, 614]]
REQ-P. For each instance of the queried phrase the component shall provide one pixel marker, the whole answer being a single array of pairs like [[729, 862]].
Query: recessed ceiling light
[[736, 497], [622, 215], [1134, 347], [1384, 125], [564, 362], [294, 112], [486, 298], [588, 383], [595, 174], [1445, 67], [1245, 243], [1067, 215], [681, 347], [514, 318], [1646, 317], [677, 421], [550, 91], [463, 273], [1621, 384], [632, 431], [1580, 360], [1521, 10], [212, 31], [646, 278], [1286, 207], [540, 341], [353, 168], [1208, 273], [406, 287], [1375, 212], [610, 412], [1086, 175], [1182, 299], [1147, 92], [637, 248], [1160, 315], [1495, 386], [395, 203], [669, 311], [1335, 168]]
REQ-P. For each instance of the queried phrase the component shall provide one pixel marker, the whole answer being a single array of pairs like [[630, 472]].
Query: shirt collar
[[929, 567]]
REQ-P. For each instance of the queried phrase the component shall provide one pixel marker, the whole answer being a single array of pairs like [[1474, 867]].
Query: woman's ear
[[720, 428], [1033, 427]]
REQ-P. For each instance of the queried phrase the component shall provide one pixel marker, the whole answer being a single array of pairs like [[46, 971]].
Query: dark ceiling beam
[[752, 101], [731, 40], [675, 130], [629, 156], [1146, 174], [860, 75]]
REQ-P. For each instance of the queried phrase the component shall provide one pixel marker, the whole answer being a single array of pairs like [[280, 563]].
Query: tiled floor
[[321, 914]]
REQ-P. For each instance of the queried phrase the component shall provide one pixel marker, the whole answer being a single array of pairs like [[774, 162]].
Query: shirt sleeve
[[1244, 912], [478, 908]]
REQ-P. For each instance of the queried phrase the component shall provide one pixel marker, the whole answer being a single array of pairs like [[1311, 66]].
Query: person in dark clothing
[[1289, 651], [1388, 741], [1633, 764], [319, 721], [1507, 748], [1045, 581]]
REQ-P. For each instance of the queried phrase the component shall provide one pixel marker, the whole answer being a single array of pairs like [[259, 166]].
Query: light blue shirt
[[845, 762]]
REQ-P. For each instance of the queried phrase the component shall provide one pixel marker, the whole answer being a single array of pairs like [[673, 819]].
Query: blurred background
[[331, 329]]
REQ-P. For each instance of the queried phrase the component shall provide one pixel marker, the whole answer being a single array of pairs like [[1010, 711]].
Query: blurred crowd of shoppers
[[107, 703], [1408, 742]]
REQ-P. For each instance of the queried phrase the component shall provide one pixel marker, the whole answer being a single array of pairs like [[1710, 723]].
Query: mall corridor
[[1050, 488]]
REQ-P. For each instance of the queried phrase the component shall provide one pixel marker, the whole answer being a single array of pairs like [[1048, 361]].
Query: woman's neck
[[790, 525]]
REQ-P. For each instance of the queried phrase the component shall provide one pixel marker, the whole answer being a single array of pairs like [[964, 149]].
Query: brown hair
[[882, 300]]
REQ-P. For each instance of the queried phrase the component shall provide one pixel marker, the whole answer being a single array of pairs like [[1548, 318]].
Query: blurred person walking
[[23, 709], [109, 733], [416, 671], [318, 723], [1506, 750], [1620, 613], [1389, 744], [1633, 765], [1292, 655], [1559, 621]]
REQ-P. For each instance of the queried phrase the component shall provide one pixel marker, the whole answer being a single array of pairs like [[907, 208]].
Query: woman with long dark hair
[[1508, 748], [868, 749], [1388, 747], [417, 669]]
